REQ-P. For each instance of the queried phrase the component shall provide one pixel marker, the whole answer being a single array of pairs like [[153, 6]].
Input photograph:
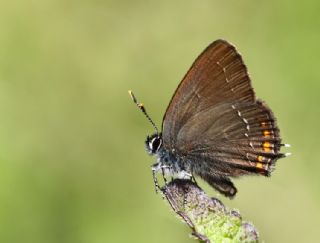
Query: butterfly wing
[[231, 139], [217, 75], [215, 121]]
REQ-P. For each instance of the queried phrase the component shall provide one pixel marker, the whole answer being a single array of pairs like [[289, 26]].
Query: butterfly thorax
[[167, 161]]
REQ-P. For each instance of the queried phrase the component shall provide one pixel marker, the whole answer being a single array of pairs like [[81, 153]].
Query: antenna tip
[[132, 95]]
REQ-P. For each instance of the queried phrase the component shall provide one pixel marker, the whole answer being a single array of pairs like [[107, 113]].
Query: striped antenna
[[143, 109]]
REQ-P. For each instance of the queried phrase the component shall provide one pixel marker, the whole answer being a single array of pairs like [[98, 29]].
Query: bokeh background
[[73, 167]]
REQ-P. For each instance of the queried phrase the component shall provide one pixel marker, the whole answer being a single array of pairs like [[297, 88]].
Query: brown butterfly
[[214, 126]]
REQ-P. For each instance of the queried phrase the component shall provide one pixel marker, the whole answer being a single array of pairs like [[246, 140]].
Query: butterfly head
[[153, 143]]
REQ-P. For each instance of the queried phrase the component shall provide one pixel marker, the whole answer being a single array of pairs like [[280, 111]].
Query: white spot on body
[[160, 166], [184, 175]]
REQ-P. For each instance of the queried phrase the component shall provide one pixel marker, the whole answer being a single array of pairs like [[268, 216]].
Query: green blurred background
[[73, 167]]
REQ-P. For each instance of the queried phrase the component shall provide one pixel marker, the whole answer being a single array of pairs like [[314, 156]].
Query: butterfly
[[214, 126]]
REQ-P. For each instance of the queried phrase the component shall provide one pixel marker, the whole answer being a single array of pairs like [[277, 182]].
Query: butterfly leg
[[164, 169], [154, 169], [164, 176], [155, 181], [194, 179], [221, 183]]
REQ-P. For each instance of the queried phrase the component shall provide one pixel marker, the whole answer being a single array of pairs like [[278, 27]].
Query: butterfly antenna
[[143, 109]]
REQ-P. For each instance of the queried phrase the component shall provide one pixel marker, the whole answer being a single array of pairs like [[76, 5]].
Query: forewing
[[232, 139], [217, 75]]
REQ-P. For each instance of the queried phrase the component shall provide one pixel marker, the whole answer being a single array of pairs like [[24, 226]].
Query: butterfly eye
[[155, 144]]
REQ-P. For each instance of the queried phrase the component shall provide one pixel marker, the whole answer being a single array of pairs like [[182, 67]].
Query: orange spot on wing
[[267, 146], [259, 165], [266, 133], [260, 158]]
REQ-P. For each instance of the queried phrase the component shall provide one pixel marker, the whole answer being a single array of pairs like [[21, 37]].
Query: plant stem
[[208, 218]]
